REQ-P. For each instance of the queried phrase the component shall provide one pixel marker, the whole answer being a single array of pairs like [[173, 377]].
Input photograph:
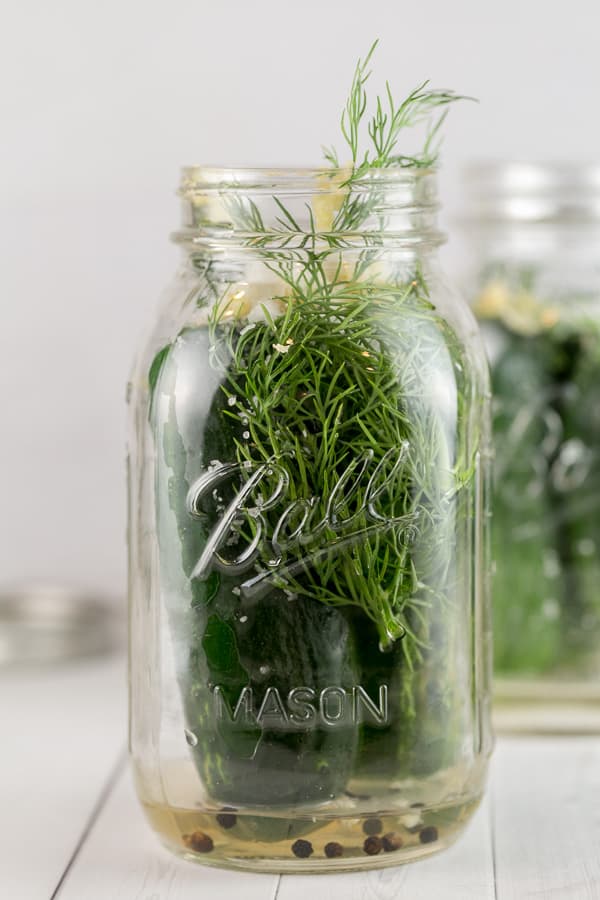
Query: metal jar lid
[[532, 192], [47, 623]]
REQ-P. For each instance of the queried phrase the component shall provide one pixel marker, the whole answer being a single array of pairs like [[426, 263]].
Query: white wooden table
[[70, 827]]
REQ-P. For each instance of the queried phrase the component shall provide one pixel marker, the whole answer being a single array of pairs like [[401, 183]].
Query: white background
[[101, 102]]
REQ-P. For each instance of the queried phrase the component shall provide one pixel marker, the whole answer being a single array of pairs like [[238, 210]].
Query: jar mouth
[[322, 179], [531, 192], [286, 207]]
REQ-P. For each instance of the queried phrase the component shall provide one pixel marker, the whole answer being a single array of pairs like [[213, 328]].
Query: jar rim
[[200, 179], [532, 192], [285, 205]]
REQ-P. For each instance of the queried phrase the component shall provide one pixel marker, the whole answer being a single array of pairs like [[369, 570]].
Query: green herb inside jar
[[546, 534]]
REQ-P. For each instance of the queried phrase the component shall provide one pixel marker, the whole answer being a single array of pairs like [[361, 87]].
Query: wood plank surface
[[546, 806], [62, 730]]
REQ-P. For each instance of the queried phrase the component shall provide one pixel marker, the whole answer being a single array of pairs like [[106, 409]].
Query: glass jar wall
[[533, 234], [309, 443]]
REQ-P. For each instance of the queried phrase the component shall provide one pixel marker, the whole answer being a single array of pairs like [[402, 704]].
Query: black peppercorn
[[198, 841], [373, 845], [301, 848], [391, 841], [428, 834], [333, 849], [226, 819], [372, 826]]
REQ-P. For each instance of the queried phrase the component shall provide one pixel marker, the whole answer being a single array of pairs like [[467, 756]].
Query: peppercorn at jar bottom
[[388, 829]]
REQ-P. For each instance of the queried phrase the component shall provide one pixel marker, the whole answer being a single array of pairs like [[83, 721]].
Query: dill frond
[[389, 122]]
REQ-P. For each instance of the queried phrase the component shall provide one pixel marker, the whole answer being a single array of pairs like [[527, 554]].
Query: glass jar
[[307, 465], [533, 235]]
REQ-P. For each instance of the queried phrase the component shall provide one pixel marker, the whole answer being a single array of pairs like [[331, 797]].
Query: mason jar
[[534, 249], [308, 458]]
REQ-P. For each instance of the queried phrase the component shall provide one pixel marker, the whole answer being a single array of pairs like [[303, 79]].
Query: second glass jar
[[534, 246]]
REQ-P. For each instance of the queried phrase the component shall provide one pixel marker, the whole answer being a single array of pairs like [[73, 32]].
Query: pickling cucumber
[[225, 646]]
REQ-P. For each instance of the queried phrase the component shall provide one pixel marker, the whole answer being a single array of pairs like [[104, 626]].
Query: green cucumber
[[283, 645], [273, 643]]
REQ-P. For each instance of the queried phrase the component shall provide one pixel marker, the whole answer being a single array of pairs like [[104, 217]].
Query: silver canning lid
[[558, 192], [47, 623]]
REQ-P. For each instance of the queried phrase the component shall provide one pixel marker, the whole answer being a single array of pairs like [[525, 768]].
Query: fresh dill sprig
[[356, 106], [333, 399], [338, 390], [388, 123]]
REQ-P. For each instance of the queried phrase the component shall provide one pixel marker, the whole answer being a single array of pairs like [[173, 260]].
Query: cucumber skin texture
[[303, 642], [257, 766]]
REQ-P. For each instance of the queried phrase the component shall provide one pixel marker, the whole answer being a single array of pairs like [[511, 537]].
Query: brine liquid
[[361, 835]]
